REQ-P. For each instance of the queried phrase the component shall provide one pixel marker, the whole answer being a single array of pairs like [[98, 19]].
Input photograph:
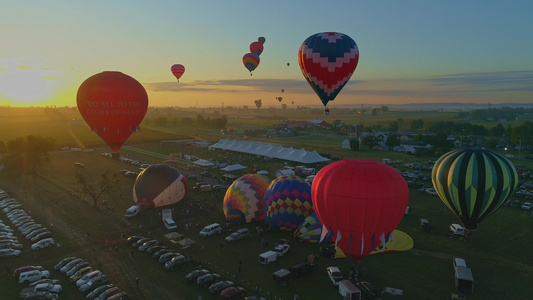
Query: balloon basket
[[326, 111]]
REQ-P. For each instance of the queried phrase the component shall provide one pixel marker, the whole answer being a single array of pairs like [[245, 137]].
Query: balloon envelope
[[177, 70], [258, 103], [256, 47], [287, 202], [243, 202], [360, 202], [261, 40], [113, 104], [250, 61], [159, 185], [473, 183], [327, 61], [310, 230]]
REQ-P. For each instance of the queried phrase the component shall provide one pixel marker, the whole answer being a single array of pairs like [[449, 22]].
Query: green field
[[499, 253]]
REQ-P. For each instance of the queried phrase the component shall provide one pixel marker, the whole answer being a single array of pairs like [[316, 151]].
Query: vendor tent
[[203, 163], [233, 168], [186, 242], [173, 236]]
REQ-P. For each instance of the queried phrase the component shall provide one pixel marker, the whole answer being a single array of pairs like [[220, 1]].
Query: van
[[30, 276], [210, 230], [132, 211], [457, 229], [205, 188], [267, 257], [348, 290]]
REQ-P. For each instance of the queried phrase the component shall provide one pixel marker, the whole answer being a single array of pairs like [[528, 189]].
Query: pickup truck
[[43, 287], [240, 234]]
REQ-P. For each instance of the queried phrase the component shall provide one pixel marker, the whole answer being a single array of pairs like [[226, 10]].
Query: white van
[[267, 257], [210, 230], [457, 229], [33, 275], [132, 211], [348, 290]]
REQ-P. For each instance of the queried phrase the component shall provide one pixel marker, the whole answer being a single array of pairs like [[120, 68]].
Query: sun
[[25, 86]]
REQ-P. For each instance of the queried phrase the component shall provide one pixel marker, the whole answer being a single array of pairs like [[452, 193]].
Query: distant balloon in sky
[[256, 48], [283, 105], [159, 185], [280, 99], [327, 61], [288, 64], [258, 103], [177, 70], [282, 90], [113, 104], [261, 40], [250, 61]]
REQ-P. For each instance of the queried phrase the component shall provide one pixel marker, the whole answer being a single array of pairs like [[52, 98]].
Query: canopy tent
[[233, 168], [262, 172], [186, 242], [203, 163], [173, 236], [268, 150]]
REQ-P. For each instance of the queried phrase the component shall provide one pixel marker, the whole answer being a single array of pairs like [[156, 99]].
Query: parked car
[[47, 242], [209, 230], [42, 235], [97, 291], [75, 268], [281, 249], [148, 244], [160, 252], [207, 279], [526, 206], [35, 232], [134, 238], [19, 270], [153, 249], [70, 264], [457, 229], [46, 280], [9, 245], [63, 262], [30, 276], [119, 296], [88, 277], [9, 252], [302, 268], [219, 286], [240, 234], [167, 257], [368, 289], [193, 275], [233, 292], [139, 242], [334, 275], [94, 283], [41, 296], [178, 261], [80, 273], [108, 293]]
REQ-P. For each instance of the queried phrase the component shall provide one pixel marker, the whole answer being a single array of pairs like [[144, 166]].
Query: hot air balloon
[[287, 202], [258, 103], [309, 230], [292, 102], [473, 184], [177, 70], [250, 61], [279, 99], [256, 47], [113, 104], [243, 202], [282, 90], [159, 185], [283, 105], [327, 61], [261, 40], [288, 64], [360, 202]]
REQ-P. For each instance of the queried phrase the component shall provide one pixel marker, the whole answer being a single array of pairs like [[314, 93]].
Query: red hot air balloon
[[327, 61], [113, 104], [360, 202], [177, 70], [256, 48]]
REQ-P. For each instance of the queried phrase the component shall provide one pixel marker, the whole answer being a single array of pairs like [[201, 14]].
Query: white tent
[[203, 163], [233, 168]]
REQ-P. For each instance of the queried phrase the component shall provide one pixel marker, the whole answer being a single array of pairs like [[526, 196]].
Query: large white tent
[[269, 150], [233, 168]]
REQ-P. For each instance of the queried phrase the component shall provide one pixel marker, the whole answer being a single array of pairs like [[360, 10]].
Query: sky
[[411, 51]]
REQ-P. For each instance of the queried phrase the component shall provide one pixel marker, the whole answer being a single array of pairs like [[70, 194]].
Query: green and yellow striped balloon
[[474, 183]]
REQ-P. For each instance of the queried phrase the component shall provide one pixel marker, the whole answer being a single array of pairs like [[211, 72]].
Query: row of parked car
[[23, 221], [91, 282]]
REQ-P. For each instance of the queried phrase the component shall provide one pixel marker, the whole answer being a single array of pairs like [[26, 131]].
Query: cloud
[[512, 81]]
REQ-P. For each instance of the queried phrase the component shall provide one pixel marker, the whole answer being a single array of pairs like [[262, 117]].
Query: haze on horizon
[[412, 51]]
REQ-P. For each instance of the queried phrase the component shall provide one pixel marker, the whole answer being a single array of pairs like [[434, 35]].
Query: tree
[[95, 189], [392, 140], [25, 155], [369, 141], [417, 124]]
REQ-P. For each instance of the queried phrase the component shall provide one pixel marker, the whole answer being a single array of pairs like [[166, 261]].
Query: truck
[[240, 234], [167, 219], [267, 257], [43, 287], [348, 290]]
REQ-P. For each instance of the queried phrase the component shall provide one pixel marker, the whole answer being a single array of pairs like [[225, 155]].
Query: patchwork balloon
[[327, 61], [243, 202], [473, 184], [113, 104], [310, 230], [287, 202], [159, 185]]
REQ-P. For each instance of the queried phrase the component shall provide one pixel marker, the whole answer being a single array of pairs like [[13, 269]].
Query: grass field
[[499, 253]]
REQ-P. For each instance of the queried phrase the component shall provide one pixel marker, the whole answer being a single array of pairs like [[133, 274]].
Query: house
[[297, 124], [320, 123]]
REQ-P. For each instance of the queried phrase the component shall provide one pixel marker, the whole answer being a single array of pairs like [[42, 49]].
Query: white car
[[88, 277], [47, 242], [526, 206], [334, 275], [281, 249]]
